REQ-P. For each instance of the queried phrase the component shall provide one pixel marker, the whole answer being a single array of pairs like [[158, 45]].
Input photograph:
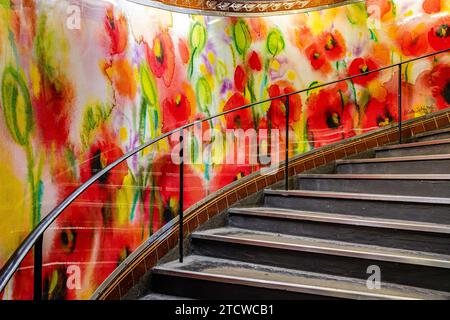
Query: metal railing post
[[38, 269], [400, 113], [181, 195], [286, 172]]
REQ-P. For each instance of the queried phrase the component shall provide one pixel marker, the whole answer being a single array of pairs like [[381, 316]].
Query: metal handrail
[[35, 238]]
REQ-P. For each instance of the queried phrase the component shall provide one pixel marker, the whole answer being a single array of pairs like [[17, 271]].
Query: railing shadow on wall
[[178, 180]]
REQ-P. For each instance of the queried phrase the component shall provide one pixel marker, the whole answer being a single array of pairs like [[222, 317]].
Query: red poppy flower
[[329, 120], [103, 152], [55, 104], [167, 180], [254, 61], [413, 43], [380, 113], [227, 174], [439, 35], [333, 44], [317, 57], [162, 57], [241, 119], [431, 6], [117, 30], [277, 110], [440, 85], [176, 112], [361, 66], [240, 79]]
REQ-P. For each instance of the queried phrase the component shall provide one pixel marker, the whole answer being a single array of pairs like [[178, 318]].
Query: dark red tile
[[261, 183], [417, 128], [139, 271], [202, 217], [126, 284], [114, 294], [251, 188], [212, 209], [360, 147], [430, 125], [280, 174], [339, 153], [319, 160], [150, 260], [172, 240], [309, 164], [329, 156], [162, 249], [442, 121], [222, 204], [372, 143], [193, 224], [299, 168], [231, 198], [382, 140]]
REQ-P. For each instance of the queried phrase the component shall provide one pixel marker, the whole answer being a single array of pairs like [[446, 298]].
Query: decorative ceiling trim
[[243, 7]]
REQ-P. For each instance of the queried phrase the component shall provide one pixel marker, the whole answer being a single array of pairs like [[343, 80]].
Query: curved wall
[[82, 82]]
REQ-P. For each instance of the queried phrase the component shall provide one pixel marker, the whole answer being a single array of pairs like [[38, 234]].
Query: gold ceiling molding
[[242, 7]]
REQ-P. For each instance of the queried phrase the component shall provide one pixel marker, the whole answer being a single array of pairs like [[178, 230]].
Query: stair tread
[[308, 244], [431, 133], [396, 159], [344, 219], [375, 176], [413, 145], [256, 275], [358, 196]]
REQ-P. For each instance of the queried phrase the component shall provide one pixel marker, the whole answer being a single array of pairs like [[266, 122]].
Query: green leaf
[[16, 104], [242, 37], [203, 92], [148, 86], [275, 42], [197, 37]]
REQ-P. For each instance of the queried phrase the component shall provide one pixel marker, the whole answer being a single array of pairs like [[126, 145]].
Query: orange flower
[[123, 79], [413, 42], [431, 6]]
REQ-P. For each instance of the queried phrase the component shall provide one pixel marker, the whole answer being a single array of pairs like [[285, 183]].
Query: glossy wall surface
[[83, 82]]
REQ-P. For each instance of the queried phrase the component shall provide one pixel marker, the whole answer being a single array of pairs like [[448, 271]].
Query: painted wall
[[75, 95]]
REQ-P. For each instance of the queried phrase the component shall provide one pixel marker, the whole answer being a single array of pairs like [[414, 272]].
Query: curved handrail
[[17, 257]]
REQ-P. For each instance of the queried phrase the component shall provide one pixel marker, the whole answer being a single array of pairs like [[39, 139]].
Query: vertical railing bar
[[181, 218], [286, 169], [38, 269], [400, 111]]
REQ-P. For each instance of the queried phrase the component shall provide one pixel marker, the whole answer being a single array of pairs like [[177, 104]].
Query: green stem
[[33, 187]]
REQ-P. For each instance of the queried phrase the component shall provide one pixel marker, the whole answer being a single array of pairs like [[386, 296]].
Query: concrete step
[[414, 149], [406, 267], [410, 235], [426, 185], [212, 278], [423, 209], [433, 135], [431, 164]]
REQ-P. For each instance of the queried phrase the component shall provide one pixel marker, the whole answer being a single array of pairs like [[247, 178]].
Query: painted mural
[[76, 94]]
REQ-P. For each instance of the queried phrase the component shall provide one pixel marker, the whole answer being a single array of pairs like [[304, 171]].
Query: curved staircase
[[323, 239]]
